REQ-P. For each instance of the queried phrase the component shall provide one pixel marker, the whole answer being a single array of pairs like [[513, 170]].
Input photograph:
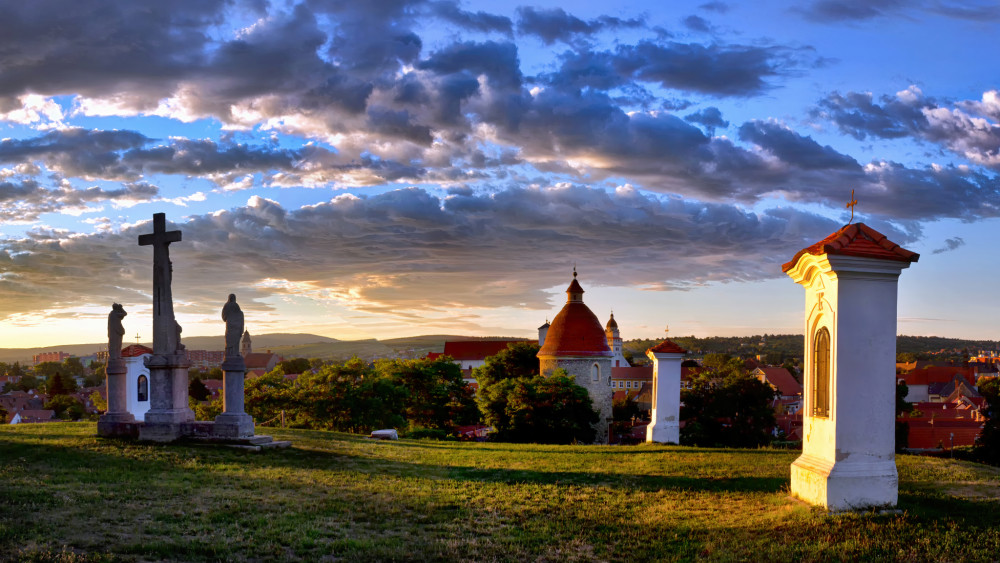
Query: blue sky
[[396, 168]]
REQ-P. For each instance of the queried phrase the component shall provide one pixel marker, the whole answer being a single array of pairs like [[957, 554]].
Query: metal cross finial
[[137, 338], [666, 330], [850, 205], [574, 270]]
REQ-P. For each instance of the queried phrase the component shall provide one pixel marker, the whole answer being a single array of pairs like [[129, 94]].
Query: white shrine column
[[664, 427], [848, 449]]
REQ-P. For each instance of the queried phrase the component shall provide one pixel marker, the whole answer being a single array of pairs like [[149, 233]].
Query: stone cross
[[166, 336]]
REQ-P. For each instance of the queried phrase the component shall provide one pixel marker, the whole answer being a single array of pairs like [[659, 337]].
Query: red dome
[[575, 331]]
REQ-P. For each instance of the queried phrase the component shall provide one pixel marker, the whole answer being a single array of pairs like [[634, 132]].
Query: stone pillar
[[664, 426], [234, 422], [117, 421], [848, 449], [168, 398]]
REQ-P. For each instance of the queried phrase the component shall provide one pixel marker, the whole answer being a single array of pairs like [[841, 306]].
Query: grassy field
[[67, 495]]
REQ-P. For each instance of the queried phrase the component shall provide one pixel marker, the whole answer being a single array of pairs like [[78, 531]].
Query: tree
[[198, 391], [437, 396], [28, 382], [902, 407], [518, 360], [727, 407], [97, 375], [545, 410], [99, 403], [73, 367], [66, 407], [294, 365], [59, 385], [46, 369], [988, 444]]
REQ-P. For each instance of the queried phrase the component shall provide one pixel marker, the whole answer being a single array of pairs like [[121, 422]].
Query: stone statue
[[115, 331], [233, 315]]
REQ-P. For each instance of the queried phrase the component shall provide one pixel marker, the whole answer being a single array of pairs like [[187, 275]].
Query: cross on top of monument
[[850, 205], [160, 234]]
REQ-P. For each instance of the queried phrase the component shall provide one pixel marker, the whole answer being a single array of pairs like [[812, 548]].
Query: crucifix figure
[[166, 336], [850, 205]]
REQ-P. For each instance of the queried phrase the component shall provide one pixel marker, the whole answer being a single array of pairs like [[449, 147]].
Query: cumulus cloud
[[555, 24], [968, 129]]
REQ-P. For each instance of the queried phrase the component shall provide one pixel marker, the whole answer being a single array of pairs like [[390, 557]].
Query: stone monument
[[234, 422], [117, 421], [168, 367], [664, 426], [849, 412]]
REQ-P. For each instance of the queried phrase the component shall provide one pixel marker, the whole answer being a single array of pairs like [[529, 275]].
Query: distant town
[[939, 404]]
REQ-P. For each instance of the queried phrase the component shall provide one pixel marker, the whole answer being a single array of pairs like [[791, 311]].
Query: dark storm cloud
[[858, 115], [76, 152], [697, 23], [710, 117], [795, 149], [408, 250], [475, 21], [555, 24], [827, 11]]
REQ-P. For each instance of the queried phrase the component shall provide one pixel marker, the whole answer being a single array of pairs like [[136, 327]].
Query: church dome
[[576, 330]]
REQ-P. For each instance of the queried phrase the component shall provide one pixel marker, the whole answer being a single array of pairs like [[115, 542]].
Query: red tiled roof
[[42, 415], [478, 349], [212, 384], [856, 239], [642, 373], [434, 355], [135, 350], [667, 347], [257, 360], [938, 374], [575, 332], [782, 380]]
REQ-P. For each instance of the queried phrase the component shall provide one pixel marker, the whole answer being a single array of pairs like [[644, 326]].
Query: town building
[[615, 343], [576, 342], [781, 380], [49, 357]]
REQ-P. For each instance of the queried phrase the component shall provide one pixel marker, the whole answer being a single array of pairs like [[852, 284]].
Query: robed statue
[[233, 315], [116, 331]]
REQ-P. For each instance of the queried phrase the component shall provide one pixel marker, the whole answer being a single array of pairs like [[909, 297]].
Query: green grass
[[67, 495]]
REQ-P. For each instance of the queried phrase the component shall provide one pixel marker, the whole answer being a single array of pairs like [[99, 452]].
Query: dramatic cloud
[[909, 113], [555, 24], [408, 251]]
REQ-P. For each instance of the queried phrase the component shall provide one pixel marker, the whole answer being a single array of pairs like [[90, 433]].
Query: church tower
[[576, 343], [615, 343], [246, 348]]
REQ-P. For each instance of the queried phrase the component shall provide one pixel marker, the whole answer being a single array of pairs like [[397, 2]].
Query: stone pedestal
[[664, 426], [117, 421], [849, 411], [234, 422], [168, 393]]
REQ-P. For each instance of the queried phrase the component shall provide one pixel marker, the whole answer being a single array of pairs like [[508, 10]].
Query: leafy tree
[[73, 367], [437, 396], [208, 410], [28, 382], [66, 407], [517, 361], [988, 444], [59, 384], [97, 375], [98, 401], [716, 361], [294, 365], [47, 369], [214, 373], [727, 407], [198, 391], [546, 410], [902, 407]]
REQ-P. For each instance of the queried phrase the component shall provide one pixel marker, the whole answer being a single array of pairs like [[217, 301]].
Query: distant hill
[[260, 342]]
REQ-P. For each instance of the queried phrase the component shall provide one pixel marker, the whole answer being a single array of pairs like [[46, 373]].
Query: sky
[[393, 168]]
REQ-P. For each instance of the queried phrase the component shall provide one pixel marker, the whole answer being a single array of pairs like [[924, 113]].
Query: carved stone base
[[233, 425], [161, 432], [845, 485], [117, 429]]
